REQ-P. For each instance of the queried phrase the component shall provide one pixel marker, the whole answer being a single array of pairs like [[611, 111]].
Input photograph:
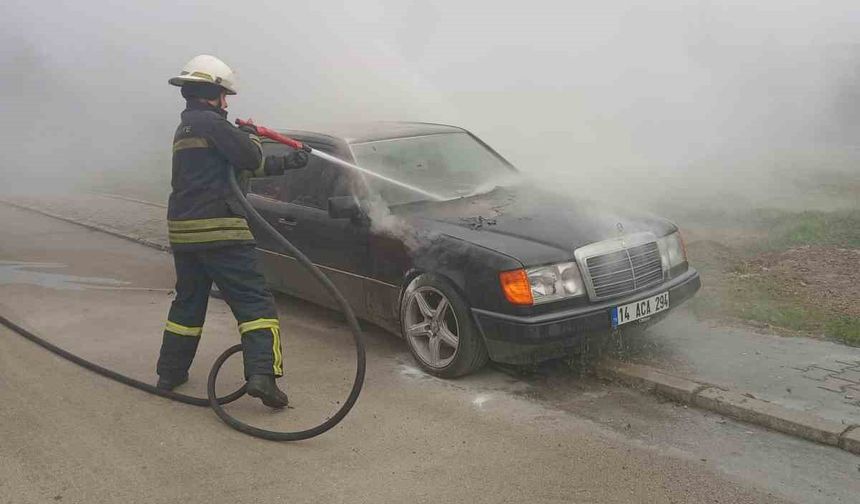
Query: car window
[[270, 187], [450, 165], [341, 181], [314, 184]]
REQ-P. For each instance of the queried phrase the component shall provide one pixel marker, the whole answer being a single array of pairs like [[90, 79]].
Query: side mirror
[[344, 207]]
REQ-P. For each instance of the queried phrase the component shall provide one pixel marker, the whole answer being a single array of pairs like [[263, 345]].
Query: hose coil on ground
[[351, 320], [213, 401]]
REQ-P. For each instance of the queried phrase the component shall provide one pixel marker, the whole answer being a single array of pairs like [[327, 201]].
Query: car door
[[338, 246]]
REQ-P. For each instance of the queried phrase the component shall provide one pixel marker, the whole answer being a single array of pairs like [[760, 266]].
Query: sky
[[713, 99]]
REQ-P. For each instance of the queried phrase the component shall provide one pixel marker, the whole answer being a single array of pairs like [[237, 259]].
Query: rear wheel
[[437, 324]]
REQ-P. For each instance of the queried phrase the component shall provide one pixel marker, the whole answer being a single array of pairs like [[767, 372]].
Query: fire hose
[[212, 400]]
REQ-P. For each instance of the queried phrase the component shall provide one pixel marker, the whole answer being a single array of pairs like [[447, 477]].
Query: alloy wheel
[[431, 327]]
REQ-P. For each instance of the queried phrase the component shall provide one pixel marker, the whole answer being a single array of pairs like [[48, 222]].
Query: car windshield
[[450, 165]]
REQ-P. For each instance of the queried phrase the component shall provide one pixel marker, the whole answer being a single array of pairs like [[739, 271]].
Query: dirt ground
[[795, 275], [825, 276]]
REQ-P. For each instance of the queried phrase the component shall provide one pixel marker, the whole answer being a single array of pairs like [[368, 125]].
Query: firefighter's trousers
[[233, 269]]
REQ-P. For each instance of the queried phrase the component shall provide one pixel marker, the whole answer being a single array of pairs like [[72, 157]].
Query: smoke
[[385, 223], [697, 102]]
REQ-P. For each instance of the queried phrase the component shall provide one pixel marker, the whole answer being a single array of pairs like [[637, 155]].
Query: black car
[[440, 241]]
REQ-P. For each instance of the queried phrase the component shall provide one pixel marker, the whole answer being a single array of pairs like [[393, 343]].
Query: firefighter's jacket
[[202, 211]]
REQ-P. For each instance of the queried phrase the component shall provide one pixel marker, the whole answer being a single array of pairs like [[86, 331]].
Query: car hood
[[530, 224]]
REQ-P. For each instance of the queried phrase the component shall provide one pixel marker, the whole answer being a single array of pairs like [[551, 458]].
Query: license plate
[[640, 309]]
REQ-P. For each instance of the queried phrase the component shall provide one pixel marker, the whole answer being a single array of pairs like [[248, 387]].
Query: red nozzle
[[274, 135]]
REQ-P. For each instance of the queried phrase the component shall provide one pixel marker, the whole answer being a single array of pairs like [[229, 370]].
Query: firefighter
[[210, 237]]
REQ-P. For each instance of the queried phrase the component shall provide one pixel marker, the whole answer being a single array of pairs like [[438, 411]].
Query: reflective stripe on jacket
[[202, 211]]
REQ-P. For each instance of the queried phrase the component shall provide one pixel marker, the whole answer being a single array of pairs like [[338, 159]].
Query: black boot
[[264, 388], [170, 383]]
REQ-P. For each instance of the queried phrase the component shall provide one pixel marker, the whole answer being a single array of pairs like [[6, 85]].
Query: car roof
[[360, 132]]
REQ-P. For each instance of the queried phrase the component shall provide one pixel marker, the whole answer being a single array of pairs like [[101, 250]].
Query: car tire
[[445, 344]]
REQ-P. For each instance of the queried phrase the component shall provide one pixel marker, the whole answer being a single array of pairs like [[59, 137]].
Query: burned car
[[439, 241]]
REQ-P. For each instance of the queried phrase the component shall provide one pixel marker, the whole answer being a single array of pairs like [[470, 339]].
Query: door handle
[[290, 222]]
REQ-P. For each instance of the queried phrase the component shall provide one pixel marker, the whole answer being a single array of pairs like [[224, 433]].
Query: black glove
[[296, 159], [249, 129], [276, 165]]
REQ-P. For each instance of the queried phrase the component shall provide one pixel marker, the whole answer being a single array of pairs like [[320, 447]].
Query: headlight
[[554, 282], [672, 250], [542, 284]]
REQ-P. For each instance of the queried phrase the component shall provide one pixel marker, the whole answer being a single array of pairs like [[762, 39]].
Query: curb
[[740, 406], [127, 198], [91, 226]]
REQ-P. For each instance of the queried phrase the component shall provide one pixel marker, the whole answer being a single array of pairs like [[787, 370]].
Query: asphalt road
[[67, 435]]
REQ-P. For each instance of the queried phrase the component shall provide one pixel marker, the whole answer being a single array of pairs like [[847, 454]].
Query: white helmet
[[205, 68]]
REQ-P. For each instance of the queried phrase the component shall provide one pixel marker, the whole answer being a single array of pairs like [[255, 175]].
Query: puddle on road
[[16, 272]]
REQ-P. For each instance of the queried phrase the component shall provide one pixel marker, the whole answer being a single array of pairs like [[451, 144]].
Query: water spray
[[295, 144]]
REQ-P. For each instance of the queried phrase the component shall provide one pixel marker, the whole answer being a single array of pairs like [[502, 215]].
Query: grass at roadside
[[845, 329], [791, 272], [789, 229], [759, 301]]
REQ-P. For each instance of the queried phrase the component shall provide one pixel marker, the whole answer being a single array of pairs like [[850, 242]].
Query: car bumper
[[522, 340]]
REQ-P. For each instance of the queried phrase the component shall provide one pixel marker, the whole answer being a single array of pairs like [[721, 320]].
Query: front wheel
[[437, 324]]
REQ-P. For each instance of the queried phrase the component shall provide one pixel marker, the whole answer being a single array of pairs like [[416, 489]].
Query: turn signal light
[[516, 287]]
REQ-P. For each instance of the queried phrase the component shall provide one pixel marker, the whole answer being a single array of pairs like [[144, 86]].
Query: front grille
[[624, 271]]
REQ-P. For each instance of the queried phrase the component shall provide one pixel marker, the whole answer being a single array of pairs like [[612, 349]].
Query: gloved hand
[[276, 165], [249, 128], [296, 159]]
